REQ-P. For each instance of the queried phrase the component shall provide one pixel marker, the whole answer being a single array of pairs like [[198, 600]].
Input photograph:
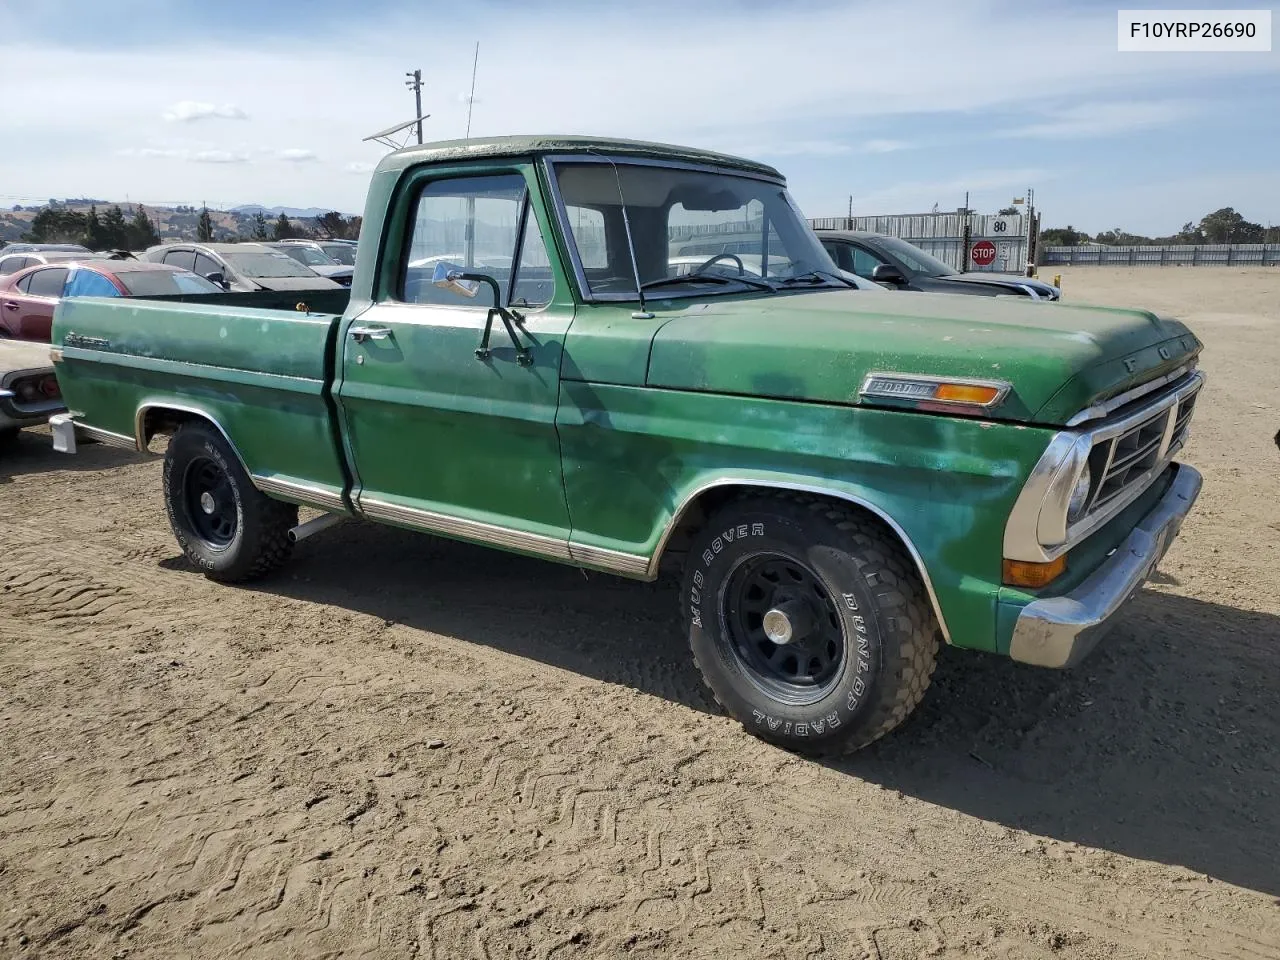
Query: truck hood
[[819, 346]]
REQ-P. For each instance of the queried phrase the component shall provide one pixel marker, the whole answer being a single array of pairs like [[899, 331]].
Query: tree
[[93, 235], [57, 225], [141, 232], [115, 232], [259, 226], [204, 227], [335, 226], [1227, 226], [285, 229], [1067, 236]]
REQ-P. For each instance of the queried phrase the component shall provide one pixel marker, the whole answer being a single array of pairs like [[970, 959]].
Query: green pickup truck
[[845, 478]]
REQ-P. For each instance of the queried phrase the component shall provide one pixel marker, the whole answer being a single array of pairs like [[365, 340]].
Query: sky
[[902, 106]]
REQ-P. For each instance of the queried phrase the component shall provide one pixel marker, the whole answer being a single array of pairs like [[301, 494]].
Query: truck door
[[439, 437]]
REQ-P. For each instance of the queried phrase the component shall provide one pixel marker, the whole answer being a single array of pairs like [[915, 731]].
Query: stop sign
[[983, 253]]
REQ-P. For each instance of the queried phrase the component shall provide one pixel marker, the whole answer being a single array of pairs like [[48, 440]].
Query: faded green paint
[[622, 419]]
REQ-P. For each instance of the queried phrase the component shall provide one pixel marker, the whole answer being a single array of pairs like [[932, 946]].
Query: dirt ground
[[404, 747]]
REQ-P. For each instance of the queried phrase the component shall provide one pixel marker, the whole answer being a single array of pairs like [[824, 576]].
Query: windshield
[[266, 265], [917, 262], [157, 283], [694, 232], [341, 252], [308, 255]]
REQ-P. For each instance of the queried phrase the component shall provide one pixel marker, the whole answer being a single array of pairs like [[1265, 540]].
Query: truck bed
[[250, 362]]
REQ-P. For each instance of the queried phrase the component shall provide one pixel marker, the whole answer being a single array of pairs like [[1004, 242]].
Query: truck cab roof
[[444, 151]]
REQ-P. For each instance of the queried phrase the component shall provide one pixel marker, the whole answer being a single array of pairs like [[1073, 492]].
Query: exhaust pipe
[[314, 525]]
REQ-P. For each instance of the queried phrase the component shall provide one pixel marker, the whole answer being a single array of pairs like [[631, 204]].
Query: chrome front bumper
[[1060, 631]]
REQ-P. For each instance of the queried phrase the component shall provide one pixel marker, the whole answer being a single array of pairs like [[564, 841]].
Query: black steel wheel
[[225, 526], [210, 502], [808, 620], [784, 627]]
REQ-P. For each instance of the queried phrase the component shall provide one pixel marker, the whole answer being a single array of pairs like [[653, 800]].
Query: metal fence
[[1169, 255], [964, 241]]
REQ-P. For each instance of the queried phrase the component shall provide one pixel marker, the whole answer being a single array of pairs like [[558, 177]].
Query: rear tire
[[226, 527], [808, 622]]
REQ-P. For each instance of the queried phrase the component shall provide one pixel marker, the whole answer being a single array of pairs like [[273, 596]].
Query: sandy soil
[[402, 747]]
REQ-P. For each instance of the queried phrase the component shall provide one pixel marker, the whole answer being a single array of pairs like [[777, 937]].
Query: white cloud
[[1093, 120], [985, 188], [187, 110], [886, 146], [296, 155], [182, 153], [359, 166], [218, 156]]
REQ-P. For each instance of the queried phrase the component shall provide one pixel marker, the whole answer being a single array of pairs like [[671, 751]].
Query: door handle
[[10, 305], [361, 334]]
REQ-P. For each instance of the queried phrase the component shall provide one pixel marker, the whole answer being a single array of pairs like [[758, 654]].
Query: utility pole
[[849, 223], [414, 83]]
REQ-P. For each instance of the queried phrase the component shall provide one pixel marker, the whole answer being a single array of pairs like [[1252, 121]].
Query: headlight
[[1079, 495]]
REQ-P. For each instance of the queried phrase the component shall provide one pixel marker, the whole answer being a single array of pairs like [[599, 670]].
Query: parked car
[[11, 263], [240, 267], [899, 265], [317, 261], [29, 297], [728, 263], [22, 247], [29, 392], [343, 251], [846, 479]]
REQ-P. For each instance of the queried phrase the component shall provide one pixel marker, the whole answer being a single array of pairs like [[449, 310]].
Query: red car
[[28, 297]]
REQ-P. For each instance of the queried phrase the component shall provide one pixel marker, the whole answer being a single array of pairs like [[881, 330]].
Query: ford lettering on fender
[[529, 360]]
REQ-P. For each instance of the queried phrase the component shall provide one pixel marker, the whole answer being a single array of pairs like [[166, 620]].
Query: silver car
[[29, 393], [241, 267]]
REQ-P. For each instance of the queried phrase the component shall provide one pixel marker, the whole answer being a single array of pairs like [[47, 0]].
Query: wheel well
[[163, 421], [694, 516]]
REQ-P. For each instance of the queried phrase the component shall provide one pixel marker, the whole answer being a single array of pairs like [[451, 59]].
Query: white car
[[29, 393]]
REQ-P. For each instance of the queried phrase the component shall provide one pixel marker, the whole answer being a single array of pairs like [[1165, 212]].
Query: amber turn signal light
[[978, 394], [1025, 573]]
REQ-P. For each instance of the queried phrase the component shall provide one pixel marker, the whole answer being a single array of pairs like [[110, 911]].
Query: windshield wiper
[[814, 276], [709, 278]]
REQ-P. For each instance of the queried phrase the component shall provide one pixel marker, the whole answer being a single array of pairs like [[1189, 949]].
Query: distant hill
[[250, 209]]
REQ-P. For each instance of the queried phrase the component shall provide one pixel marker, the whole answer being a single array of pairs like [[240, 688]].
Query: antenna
[[643, 313], [471, 100]]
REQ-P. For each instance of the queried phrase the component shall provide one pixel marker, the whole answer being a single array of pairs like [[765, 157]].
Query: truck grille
[[1124, 462]]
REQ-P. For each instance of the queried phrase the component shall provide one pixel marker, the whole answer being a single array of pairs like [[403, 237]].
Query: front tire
[[226, 527], [808, 622]]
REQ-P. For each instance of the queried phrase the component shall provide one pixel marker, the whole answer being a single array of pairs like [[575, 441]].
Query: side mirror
[[449, 276], [219, 279], [887, 273]]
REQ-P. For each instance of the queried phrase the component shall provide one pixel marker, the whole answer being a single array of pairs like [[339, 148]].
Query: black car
[[897, 265]]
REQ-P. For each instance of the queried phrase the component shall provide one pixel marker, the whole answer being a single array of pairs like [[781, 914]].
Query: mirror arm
[[523, 356]]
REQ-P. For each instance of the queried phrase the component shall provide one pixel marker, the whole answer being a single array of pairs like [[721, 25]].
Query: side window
[[207, 265], [48, 283], [864, 261], [181, 258], [12, 265], [88, 283], [25, 283], [469, 224]]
